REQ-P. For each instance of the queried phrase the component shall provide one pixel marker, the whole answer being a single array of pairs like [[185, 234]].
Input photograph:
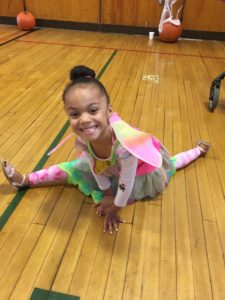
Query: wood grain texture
[[203, 15], [171, 247], [68, 10], [132, 12], [10, 7]]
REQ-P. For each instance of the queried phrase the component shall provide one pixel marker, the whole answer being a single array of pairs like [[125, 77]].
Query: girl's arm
[[104, 184], [108, 192], [103, 181], [126, 180]]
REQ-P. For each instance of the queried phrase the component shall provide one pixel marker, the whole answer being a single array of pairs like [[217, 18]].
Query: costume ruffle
[[148, 185]]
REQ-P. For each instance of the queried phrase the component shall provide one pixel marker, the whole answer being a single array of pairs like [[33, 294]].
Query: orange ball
[[25, 20], [170, 32]]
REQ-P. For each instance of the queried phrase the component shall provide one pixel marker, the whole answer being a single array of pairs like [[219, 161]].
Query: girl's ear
[[110, 111]]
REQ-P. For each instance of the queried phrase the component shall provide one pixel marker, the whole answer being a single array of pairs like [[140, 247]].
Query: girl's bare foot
[[16, 179]]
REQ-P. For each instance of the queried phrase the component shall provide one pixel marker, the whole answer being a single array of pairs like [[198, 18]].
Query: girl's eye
[[74, 115], [94, 110]]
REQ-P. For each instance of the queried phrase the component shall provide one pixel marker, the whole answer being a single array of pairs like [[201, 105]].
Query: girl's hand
[[105, 203], [111, 220]]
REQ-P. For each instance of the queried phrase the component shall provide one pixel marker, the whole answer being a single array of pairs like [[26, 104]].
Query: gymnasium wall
[[200, 15], [62, 10]]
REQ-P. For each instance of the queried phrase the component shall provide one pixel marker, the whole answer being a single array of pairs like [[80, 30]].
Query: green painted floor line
[[15, 201], [106, 65], [40, 294]]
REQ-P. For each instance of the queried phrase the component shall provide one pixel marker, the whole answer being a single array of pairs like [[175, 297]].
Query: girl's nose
[[85, 118]]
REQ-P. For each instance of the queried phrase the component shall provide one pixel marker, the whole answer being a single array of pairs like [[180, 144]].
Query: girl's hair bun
[[81, 72]]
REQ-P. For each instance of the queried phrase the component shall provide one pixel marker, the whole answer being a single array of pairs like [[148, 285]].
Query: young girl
[[118, 164]]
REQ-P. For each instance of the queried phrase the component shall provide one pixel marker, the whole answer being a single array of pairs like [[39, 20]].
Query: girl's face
[[88, 112]]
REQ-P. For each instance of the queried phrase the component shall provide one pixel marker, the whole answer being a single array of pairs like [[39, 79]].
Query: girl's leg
[[51, 175], [185, 158]]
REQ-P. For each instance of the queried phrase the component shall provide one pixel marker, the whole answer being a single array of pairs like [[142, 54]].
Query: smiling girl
[[118, 164]]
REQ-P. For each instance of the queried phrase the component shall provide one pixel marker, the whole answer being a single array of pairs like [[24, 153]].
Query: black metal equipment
[[215, 91]]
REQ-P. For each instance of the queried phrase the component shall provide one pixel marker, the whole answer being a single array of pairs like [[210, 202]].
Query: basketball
[[25, 20], [170, 32]]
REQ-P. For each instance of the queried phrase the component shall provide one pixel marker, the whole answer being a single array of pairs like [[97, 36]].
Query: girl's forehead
[[84, 95], [84, 91]]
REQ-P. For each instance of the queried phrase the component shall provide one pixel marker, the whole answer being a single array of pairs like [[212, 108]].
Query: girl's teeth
[[89, 130]]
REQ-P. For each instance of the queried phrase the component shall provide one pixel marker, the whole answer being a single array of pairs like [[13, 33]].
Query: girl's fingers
[[100, 212], [105, 226], [116, 225], [121, 221], [110, 227]]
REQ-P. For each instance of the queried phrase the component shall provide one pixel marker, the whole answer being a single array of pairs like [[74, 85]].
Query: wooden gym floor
[[172, 247]]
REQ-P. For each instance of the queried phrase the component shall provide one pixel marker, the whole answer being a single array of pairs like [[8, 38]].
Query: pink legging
[[55, 175], [52, 174], [185, 158]]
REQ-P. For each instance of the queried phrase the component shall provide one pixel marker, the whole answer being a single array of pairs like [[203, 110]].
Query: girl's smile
[[88, 131]]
